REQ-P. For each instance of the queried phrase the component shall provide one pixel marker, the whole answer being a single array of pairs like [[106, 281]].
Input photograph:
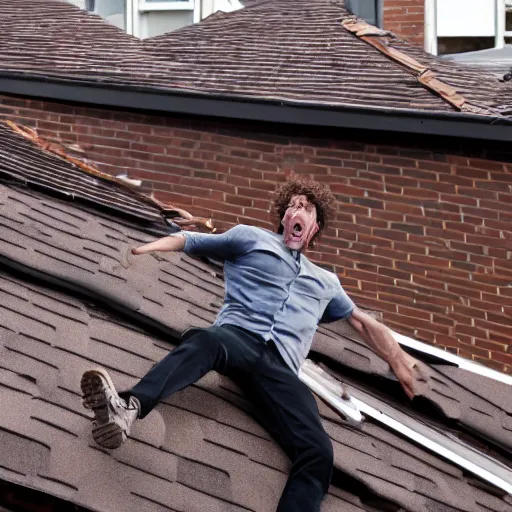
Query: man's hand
[[381, 340], [408, 372]]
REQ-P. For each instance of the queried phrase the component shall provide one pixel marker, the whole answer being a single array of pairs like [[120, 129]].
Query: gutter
[[448, 124]]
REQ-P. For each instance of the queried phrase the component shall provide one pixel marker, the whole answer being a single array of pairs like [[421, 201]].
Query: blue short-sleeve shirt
[[271, 290]]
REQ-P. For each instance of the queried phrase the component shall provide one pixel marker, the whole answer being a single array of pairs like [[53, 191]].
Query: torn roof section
[[296, 51], [51, 168], [201, 446], [53, 173]]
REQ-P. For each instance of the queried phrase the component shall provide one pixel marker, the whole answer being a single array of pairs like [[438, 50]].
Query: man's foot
[[112, 416]]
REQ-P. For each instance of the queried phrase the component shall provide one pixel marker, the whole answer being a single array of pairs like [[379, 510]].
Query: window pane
[[114, 11], [368, 10], [447, 45]]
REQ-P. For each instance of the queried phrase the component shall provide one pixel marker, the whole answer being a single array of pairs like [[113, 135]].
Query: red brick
[[470, 172], [398, 161], [403, 208], [253, 213], [446, 341], [383, 169], [421, 174], [409, 248], [472, 352], [486, 164], [478, 193], [429, 261], [457, 180], [413, 268], [339, 188], [502, 358]]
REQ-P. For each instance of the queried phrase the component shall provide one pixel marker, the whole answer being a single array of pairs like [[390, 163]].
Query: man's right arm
[[168, 243], [226, 246]]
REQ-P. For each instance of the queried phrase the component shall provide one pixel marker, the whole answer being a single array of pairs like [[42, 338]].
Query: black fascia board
[[447, 124]]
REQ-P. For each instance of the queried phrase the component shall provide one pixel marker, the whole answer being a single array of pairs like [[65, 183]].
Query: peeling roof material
[[57, 172]]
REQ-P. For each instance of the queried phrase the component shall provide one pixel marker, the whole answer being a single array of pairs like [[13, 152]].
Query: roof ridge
[[376, 37]]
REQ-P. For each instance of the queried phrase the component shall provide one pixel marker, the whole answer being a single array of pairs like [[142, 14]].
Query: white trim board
[[354, 409], [461, 362]]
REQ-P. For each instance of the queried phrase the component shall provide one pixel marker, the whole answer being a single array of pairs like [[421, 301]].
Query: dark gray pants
[[285, 406]]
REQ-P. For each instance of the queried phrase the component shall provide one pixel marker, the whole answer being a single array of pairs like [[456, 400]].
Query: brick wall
[[423, 231], [406, 18]]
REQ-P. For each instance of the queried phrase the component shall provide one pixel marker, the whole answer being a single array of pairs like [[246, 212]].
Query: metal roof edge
[[355, 409], [448, 124], [461, 362], [463, 456]]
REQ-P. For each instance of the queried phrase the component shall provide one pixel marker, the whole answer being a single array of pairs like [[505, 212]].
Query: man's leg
[[288, 410], [216, 348]]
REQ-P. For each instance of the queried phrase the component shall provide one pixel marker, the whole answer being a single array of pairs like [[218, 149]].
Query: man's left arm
[[378, 337]]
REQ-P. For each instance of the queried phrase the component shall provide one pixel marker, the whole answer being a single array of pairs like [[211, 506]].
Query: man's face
[[299, 223]]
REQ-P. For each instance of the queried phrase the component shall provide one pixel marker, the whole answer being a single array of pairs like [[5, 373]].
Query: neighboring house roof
[[300, 52], [497, 60], [72, 298], [288, 52]]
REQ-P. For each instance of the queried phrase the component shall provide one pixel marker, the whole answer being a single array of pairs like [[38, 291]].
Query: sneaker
[[113, 417]]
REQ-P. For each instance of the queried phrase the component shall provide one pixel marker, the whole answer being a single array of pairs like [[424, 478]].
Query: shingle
[[22, 455]]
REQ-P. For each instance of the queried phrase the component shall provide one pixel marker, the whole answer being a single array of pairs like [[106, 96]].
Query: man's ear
[[311, 242]]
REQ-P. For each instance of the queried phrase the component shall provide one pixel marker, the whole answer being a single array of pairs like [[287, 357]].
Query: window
[[457, 26], [368, 10], [114, 11], [147, 18], [508, 19]]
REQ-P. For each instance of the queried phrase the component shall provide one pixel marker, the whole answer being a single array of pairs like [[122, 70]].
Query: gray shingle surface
[[285, 50]]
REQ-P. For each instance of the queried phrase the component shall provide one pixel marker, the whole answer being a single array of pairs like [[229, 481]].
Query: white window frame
[[506, 33], [135, 8], [500, 33], [171, 5]]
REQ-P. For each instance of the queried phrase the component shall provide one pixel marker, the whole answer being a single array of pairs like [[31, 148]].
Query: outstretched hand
[[409, 372], [407, 369]]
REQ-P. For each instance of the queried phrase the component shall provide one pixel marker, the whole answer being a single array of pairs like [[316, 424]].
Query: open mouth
[[297, 230]]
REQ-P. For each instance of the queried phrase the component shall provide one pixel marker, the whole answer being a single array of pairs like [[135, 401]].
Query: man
[[275, 298]]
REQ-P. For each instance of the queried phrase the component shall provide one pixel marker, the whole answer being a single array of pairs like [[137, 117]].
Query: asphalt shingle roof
[[287, 50], [72, 298]]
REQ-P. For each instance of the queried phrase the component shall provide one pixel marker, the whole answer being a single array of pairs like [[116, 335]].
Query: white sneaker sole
[[106, 432]]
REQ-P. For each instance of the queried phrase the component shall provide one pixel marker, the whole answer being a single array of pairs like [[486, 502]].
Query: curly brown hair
[[317, 193]]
